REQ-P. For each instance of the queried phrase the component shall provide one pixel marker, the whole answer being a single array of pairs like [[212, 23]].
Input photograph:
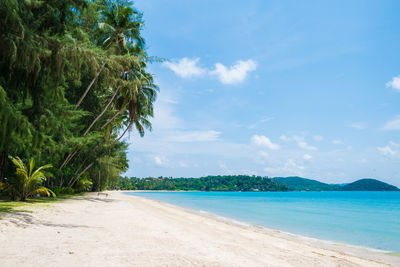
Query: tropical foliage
[[27, 181], [73, 82], [209, 183]]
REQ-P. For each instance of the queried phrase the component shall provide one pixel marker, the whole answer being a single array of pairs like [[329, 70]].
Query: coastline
[[127, 230], [391, 257]]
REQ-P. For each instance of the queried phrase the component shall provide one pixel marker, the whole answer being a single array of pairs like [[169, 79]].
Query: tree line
[[73, 83], [208, 183]]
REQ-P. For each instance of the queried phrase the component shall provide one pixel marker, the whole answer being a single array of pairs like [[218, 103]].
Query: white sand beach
[[122, 230]]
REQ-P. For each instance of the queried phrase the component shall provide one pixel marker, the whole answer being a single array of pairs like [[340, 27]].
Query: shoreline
[[391, 257], [128, 230]]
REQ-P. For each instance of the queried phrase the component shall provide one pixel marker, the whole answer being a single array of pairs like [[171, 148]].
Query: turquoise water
[[369, 219]]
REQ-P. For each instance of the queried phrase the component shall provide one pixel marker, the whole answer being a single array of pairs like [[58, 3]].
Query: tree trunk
[[3, 162], [111, 119], [126, 130], [91, 164], [68, 158], [99, 182], [71, 155], [77, 177], [90, 85], [102, 113]]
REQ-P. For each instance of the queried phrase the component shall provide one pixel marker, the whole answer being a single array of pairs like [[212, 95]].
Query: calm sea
[[369, 219]]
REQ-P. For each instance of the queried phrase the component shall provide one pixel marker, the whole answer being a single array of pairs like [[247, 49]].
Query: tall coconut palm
[[120, 28], [28, 182], [119, 32]]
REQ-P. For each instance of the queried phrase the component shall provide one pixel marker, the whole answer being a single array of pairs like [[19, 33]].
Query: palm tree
[[120, 28], [28, 181]]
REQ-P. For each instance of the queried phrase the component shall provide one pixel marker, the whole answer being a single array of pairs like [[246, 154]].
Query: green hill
[[300, 184], [369, 184], [249, 183], [303, 184]]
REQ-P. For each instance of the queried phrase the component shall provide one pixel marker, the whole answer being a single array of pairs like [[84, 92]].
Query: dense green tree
[[73, 81], [208, 183]]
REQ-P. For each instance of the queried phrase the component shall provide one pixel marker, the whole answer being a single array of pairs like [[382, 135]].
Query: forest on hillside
[[73, 83], [208, 183], [246, 183]]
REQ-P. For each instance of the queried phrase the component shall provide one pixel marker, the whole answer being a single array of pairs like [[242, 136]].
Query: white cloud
[[185, 67], [318, 138], [289, 168], [307, 157], [394, 83], [194, 136], [160, 161], [298, 138], [358, 126], [387, 151], [304, 145], [285, 138], [337, 142], [392, 125], [263, 120], [261, 140], [390, 150], [234, 74], [264, 154]]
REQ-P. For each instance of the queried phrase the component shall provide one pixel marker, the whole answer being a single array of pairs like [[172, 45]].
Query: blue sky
[[273, 88]]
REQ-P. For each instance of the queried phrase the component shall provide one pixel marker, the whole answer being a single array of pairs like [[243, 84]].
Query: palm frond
[[43, 191]]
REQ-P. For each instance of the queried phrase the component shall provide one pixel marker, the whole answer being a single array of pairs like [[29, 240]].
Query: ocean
[[367, 219]]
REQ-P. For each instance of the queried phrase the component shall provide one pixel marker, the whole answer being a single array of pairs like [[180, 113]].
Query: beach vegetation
[[73, 84], [27, 180], [208, 183]]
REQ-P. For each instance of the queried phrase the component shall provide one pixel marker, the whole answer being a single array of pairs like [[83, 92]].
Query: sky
[[272, 88]]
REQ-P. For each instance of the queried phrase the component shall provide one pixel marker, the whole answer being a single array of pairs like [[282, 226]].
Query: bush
[[62, 190]]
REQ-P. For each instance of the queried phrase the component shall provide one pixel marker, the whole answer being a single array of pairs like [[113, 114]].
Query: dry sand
[[122, 230]]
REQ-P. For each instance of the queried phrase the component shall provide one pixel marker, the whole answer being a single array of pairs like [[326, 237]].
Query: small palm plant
[[27, 181]]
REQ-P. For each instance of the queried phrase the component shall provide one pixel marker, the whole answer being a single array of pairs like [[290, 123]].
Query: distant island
[[302, 184], [248, 183]]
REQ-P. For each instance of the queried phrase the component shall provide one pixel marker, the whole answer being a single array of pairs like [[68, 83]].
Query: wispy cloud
[[290, 167], [160, 160], [392, 125], [234, 74], [386, 150], [394, 83], [337, 142], [284, 138], [194, 136], [185, 67], [307, 156], [358, 126], [304, 145], [261, 140], [261, 121], [318, 138], [390, 150]]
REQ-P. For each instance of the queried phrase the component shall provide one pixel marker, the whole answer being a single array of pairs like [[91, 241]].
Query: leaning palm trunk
[[112, 119], [71, 155], [80, 174], [102, 113], [68, 158], [91, 164], [90, 85], [122, 135]]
